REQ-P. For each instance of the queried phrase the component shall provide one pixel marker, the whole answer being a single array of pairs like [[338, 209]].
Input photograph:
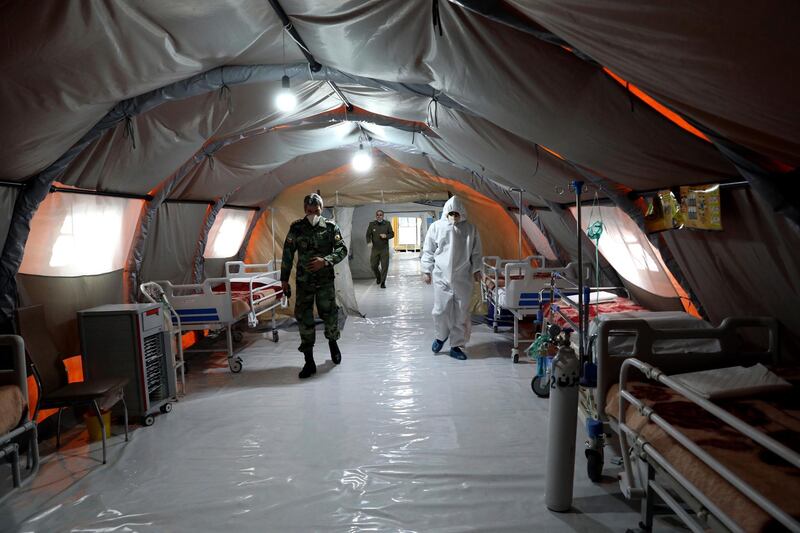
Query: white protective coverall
[[452, 254]]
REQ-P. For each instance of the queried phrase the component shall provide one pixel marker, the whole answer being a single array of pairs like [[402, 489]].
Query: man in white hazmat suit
[[451, 260]]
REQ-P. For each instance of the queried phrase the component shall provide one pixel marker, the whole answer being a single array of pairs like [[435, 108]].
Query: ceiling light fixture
[[362, 160], [285, 100]]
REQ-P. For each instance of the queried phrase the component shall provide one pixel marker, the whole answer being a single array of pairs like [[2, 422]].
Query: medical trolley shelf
[[132, 341]]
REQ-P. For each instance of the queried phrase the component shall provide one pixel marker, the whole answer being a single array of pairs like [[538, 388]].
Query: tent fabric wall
[[468, 65], [8, 195], [63, 297], [537, 238], [169, 252], [215, 268], [561, 227], [554, 246], [750, 268], [649, 45], [462, 26], [165, 138]]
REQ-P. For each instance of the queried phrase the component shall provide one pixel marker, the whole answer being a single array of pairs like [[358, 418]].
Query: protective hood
[[454, 204]]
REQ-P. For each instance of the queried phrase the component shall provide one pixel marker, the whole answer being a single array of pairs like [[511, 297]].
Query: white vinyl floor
[[394, 439]]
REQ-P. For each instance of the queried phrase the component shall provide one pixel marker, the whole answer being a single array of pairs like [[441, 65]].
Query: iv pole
[[578, 186]]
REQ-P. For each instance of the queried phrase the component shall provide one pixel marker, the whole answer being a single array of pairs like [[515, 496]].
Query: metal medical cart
[[132, 341]]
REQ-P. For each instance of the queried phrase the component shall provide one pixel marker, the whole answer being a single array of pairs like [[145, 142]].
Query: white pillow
[[732, 382], [596, 297]]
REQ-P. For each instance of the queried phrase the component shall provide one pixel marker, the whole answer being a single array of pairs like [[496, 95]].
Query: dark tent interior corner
[[399, 265]]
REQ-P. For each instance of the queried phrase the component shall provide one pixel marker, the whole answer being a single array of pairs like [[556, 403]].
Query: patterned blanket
[[777, 415], [619, 305]]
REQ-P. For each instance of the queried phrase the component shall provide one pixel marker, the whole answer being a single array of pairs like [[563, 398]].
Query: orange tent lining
[[649, 100]]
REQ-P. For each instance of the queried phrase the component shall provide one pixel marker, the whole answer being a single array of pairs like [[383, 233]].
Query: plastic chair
[[54, 390]]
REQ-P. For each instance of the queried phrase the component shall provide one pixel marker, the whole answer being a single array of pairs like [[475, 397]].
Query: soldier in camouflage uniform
[[319, 246]]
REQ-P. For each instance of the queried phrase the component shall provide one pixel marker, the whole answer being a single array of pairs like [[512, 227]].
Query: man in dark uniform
[[319, 246], [378, 234]]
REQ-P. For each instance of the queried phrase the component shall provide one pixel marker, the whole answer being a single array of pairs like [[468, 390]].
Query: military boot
[[336, 353], [310, 368]]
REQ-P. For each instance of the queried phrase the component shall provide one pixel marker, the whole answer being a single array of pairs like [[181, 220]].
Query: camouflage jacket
[[321, 240]]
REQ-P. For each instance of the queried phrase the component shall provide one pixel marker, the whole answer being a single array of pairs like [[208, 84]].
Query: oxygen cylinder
[[562, 424]]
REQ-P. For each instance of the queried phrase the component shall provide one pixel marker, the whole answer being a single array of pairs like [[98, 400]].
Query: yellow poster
[[701, 208], [661, 212]]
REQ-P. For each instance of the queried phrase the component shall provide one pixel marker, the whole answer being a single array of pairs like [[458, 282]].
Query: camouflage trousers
[[325, 296]]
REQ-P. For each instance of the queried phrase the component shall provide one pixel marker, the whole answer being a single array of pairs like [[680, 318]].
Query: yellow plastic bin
[[93, 425]]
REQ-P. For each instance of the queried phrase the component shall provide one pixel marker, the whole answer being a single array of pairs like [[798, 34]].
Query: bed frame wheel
[[236, 365], [166, 408], [594, 465], [515, 355], [539, 386], [148, 420], [238, 336], [275, 336], [494, 329]]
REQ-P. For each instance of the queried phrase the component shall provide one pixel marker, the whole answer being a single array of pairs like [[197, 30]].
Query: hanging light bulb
[[285, 100], [362, 160]]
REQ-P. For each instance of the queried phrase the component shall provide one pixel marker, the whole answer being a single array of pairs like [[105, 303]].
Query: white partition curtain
[[624, 245], [80, 235], [345, 293]]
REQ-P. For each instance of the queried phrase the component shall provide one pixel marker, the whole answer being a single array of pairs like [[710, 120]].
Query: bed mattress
[[12, 406], [776, 414]]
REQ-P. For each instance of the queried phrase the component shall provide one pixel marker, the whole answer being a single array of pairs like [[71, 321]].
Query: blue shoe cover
[[437, 346], [456, 353]]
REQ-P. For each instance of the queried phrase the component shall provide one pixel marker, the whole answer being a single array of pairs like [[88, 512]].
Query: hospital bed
[[561, 305], [721, 464], [516, 286], [246, 292], [561, 311]]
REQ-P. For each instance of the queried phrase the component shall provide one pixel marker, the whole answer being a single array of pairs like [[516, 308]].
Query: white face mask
[[313, 219]]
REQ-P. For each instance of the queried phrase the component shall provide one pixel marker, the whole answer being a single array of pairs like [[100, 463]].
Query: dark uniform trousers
[[379, 257], [380, 248]]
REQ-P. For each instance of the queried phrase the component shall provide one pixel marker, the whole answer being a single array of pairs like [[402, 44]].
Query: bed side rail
[[154, 293], [199, 302], [242, 269], [628, 482], [608, 365], [10, 450], [494, 268]]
